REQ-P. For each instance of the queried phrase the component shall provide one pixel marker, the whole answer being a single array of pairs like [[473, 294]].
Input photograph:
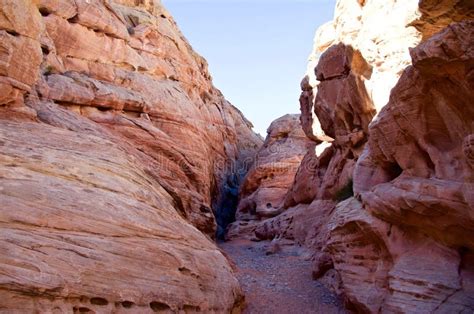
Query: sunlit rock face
[[378, 30], [357, 58], [116, 151], [382, 31], [345, 110]]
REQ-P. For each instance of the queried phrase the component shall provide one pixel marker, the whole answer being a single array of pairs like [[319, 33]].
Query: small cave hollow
[[99, 301], [157, 306], [104, 109], [346, 192], [191, 308], [45, 50], [74, 19], [12, 32], [184, 270], [204, 209], [44, 11], [392, 170], [81, 309], [127, 304]]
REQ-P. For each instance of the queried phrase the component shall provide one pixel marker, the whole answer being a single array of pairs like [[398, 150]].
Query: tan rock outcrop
[[436, 15], [20, 51], [114, 144]]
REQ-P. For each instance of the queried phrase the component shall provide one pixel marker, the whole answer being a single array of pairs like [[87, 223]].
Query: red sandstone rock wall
[[413, 210], [345, 109], [403, 242], [263, 190], [113, 140]]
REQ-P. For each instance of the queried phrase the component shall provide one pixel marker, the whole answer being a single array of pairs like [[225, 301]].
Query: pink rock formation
[[345, 110], [266, 184], [262, 194], [403, 244], [424, 227], [114, 143], [300, 223], [350, 73], [417, 177], [378, 31]]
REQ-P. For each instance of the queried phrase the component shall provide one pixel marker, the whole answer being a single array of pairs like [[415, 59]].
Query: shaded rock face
[[345, 110], [116, 154], [404, 243], [423, 202]]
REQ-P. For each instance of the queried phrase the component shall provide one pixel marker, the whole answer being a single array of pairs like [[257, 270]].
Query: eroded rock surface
[[345, 109], [403, 242], [416, 186], [117, 151], [85, 226], [266, 184]]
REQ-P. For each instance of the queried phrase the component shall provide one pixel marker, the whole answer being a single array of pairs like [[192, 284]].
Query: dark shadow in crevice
[[44, 11]]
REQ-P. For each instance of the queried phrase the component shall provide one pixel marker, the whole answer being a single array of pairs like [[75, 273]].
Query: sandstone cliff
[[114, 143], [263, 190], [411, 201], [384, 200]]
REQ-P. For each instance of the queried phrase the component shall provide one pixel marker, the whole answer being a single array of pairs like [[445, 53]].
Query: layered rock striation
[[116, 154]]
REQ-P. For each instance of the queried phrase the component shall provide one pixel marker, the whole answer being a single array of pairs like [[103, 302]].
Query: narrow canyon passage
[[277, 279], [121, 163]]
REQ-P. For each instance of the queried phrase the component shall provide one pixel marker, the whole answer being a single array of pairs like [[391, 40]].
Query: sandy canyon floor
[[280, 282]]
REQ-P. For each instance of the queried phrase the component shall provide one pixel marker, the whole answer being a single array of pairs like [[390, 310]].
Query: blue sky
[[257, 50]]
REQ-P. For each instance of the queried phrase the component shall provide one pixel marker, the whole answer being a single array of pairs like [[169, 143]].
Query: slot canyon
[[129, 184]]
